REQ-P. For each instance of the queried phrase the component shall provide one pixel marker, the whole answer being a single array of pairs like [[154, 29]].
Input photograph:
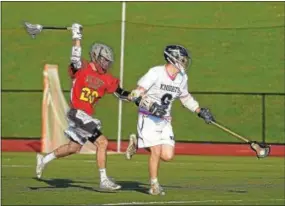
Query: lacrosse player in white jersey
[[163, 84]]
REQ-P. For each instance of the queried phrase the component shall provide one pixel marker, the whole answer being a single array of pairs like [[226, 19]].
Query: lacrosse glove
[[158, 110], [155, 109], [206, 115], [76, 31]]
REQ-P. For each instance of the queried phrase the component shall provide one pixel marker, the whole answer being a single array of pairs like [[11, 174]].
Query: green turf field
[[191, 180], [236, 47]]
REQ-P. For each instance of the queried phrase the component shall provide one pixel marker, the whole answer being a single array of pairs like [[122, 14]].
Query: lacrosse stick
[[262, 150], [34, 29]]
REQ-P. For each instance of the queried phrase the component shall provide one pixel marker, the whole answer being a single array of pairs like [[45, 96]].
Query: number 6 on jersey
[[166, 99]]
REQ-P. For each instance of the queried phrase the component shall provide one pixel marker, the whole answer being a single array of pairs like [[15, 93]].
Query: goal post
[[54, 108]]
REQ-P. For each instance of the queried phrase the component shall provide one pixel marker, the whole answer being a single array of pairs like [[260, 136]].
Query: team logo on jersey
[[93, 82], [169, 88]]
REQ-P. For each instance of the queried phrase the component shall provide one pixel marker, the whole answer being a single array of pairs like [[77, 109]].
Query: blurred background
[[237, 70]]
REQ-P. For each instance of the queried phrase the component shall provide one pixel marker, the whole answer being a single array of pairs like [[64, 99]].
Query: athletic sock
[[49, 157], [103, 174], [153, 181]]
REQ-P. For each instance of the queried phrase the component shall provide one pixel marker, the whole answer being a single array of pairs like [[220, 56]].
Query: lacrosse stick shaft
[[231, 132], [56, 28]]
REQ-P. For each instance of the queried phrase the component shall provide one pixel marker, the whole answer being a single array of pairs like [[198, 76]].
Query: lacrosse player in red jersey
[[163, 84], [90, 82]]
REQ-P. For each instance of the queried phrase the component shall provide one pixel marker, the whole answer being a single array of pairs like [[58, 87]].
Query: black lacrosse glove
[[206, 115], [158, 110], [138, 100]]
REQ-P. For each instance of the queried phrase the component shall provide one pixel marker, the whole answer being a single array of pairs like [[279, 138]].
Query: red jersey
[[89, 86]]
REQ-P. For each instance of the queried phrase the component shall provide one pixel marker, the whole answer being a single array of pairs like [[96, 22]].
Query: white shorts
[[154, 131]]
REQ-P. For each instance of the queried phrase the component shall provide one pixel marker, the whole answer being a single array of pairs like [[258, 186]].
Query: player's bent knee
[[74, 148], [166, 157]]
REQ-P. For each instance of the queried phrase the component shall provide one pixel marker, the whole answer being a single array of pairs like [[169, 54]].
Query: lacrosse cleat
[[156, 189], [132, 147], [40, 165], [108, 184]]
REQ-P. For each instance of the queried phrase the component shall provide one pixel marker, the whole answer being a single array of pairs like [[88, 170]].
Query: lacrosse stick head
[[261, 149], [33, 29]]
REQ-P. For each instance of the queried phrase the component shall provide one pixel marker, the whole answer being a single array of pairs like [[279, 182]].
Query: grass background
[[236, 47], [194, 179]]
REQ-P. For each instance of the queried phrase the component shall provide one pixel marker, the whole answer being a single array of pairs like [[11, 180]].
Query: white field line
[[17, 166], [187, 202], [133, 162], [108, 153], [176, 163]]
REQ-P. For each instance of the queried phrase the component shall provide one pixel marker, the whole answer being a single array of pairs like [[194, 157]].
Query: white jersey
[[162, 88]]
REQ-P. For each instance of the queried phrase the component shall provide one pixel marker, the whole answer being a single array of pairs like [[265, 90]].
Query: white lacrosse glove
[[76, 31], [134, 95], [155, 109]]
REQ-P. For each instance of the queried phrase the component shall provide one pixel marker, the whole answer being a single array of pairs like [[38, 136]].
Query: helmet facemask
[[104, 63], [182, 63]]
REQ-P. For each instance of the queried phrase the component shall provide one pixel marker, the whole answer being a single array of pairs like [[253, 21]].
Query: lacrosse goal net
[[54, 108]]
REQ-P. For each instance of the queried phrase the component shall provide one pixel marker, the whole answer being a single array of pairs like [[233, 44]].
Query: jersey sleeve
[[148, 79], [187, 99], [184, 90], [113, 84]]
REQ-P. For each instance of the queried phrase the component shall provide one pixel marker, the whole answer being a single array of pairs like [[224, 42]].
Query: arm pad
[[190, 103], [122, 94], [76, 57]]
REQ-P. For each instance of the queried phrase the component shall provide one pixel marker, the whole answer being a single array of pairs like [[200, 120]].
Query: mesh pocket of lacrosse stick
[[261, 150], [33, 29]]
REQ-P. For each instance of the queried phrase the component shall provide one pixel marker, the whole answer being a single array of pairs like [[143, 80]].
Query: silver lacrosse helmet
[[102, 56]]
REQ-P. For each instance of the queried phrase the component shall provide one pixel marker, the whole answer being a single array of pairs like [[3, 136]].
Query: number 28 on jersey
[[88, 95]]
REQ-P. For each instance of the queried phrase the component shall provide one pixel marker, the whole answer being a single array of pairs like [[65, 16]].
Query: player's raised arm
[[75, 58]]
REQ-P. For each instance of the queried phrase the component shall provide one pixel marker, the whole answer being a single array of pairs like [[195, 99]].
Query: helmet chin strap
[[180, 68], [99, 69]]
